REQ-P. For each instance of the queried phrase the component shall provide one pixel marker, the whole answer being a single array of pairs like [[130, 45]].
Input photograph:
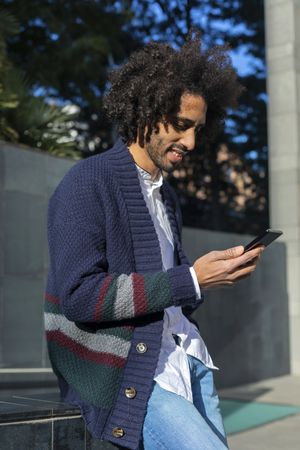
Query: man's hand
[[224, 268]]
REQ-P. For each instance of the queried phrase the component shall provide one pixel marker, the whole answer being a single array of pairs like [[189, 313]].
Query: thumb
[[232, 252]]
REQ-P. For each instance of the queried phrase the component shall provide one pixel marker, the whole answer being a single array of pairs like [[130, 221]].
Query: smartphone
[[265, 239]]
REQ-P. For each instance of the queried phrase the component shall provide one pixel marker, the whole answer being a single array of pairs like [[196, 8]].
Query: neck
[[142, 159]]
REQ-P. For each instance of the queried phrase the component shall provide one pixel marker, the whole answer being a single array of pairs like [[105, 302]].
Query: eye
[[180, 126]]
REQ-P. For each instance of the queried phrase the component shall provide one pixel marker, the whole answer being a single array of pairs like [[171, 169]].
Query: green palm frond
[[45, 126], [25, 118]]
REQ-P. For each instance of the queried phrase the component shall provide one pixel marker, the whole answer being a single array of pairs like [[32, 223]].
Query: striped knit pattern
[[106, 291], [82, 355], [140, 292]]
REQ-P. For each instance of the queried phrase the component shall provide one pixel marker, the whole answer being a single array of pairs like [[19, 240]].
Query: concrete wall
[[27, 178], [246, 327], [283, 63]]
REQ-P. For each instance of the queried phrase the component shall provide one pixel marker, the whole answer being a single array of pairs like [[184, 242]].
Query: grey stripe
[[124, 304], [96, 342]]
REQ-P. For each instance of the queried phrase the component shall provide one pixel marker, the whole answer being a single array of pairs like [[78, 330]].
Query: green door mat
[[241, 415]]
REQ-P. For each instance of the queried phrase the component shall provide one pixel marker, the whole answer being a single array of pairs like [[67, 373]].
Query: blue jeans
[[174, 423]]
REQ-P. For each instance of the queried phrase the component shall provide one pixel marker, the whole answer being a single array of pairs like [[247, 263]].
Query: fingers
[[253, 261], [245, 270], [229, 253], [243, 273], [258, 247], [233, 252], [246, 258]]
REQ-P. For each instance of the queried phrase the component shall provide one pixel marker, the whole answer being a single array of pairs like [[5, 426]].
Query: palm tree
[[25, 118]]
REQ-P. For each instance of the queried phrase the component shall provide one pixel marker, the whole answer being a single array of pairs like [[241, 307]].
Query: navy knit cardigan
[[106, 292]]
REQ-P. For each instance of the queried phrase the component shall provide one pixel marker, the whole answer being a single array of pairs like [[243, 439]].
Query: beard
[[157, 152]]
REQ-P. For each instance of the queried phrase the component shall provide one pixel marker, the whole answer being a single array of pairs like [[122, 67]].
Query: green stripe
[[157, 298], [52, 308], [96, 384], [119, 332]]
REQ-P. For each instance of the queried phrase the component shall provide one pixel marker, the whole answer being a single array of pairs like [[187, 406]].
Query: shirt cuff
[[196, 284]]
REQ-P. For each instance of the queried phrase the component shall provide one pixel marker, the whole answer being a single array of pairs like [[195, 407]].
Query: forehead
[[193, 107]]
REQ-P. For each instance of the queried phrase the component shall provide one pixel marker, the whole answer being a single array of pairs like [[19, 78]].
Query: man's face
[[167, 148]]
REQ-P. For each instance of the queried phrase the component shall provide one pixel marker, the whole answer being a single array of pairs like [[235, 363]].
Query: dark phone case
[[265, 239]]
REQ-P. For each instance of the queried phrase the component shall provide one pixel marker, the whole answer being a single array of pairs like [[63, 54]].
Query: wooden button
[[118, 432], [130, 392], [141, 347]]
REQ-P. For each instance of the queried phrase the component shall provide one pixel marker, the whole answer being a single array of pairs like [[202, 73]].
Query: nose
[[188, 139]]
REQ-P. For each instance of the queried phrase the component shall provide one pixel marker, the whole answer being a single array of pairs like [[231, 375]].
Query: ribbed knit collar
[[145, 242]]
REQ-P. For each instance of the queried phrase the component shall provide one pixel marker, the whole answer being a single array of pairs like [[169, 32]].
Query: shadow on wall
[[246, 327]]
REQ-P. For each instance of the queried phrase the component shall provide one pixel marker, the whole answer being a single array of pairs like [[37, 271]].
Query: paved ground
[[282, 434]]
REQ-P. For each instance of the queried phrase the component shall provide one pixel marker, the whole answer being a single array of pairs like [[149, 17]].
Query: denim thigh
[[174, 423]]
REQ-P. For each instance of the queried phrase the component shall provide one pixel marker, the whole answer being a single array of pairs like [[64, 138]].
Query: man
[[120, 286]]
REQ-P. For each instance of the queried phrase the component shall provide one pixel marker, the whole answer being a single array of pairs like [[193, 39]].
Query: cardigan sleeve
[[79, 276], [88, 293]]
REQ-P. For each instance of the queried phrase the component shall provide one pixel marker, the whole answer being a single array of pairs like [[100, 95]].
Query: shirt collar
[[146, 176]]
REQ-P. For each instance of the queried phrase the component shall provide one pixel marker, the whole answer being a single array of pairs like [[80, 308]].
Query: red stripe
[[99, 357], [52, 299], [101, 298], [139, 294]]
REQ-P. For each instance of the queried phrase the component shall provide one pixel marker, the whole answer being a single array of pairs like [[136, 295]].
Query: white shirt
[[172, 371]]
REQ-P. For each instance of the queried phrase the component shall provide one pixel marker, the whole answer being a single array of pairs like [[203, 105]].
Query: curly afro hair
[[148, 88]]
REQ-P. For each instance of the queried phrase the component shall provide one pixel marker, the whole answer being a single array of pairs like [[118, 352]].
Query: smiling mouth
[[176, 155]]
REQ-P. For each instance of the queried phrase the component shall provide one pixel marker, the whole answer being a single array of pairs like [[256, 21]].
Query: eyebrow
[[188, 122]]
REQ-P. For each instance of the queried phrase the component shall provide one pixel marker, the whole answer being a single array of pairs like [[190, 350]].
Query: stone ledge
[[24, 406], [41, 421]]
